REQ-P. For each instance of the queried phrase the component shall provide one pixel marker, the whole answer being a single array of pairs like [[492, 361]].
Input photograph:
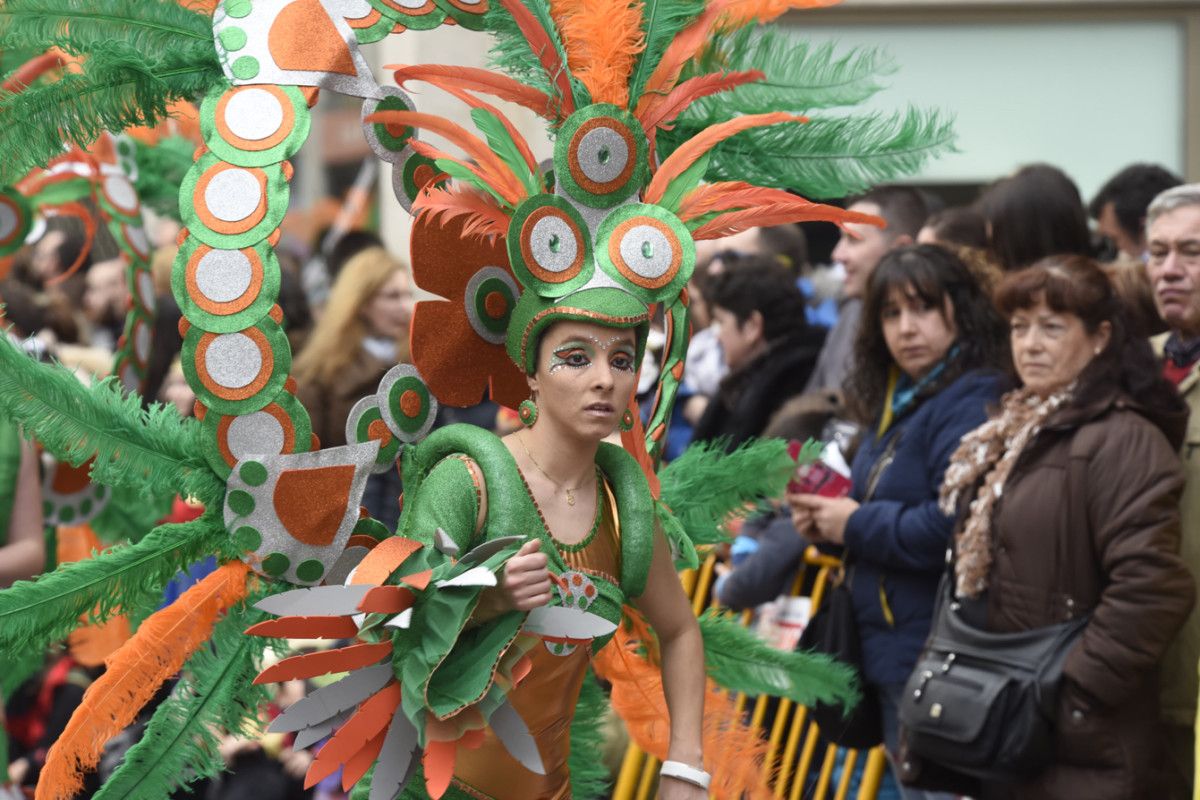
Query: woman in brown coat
[[1068, 503]]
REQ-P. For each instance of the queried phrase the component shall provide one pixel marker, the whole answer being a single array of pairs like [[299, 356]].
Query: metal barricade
[[793, 767]]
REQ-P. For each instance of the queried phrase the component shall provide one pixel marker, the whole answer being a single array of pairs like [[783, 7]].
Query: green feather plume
[[150, 450], [826, 157], [216, 694], [799, 76], [662, 21], [513, 55], [123, 579], [130, 515], [501, 142], [706, 485], [161, 170], [740, 661], [121, 86], [77, 26], [590, 778]]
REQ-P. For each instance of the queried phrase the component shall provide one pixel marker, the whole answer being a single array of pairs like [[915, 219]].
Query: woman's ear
[[532, 381], [753, 327], [1102, 336]]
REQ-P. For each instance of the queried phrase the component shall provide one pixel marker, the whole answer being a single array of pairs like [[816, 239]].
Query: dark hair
[[1135, 291], [1079, 286], [962, 226], [1034, 214], [1130, 191], [787, 243], [350, 244], [760, 284], [934, 274], [902, 207]]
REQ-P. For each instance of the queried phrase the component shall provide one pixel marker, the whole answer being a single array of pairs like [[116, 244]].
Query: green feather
[[688, 180], [130, 515], [152, 450], [214, 696], [662, 21], [34, 613], [706, 485], [513, 54], [63, 192], [799, 76], [501, 142], [826, 157], [121, 86], [161, 170], [590, 777], [77, 26], [738, 660]]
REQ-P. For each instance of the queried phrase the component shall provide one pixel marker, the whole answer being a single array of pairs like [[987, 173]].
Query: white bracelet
[[685, 773]]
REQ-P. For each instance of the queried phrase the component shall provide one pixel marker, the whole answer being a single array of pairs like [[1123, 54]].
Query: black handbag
[[982, 704], [834, 631]]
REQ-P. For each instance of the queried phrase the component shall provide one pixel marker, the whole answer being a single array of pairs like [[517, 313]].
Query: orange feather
[[155, 653], [484, 216], [518, 140], [603, 39], [543, 47], [740, 13], [477, 80], [499, 176], [310, 665], [687, 153], [663, 109], [681, 50], [372, 716], [360, 762], [734, 753], [384, 559], [793, 210]]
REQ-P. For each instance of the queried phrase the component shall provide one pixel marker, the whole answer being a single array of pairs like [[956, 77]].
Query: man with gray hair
[[1173, 266]]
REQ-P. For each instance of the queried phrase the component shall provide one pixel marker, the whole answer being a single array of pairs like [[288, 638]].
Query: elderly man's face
[[1174, 268]]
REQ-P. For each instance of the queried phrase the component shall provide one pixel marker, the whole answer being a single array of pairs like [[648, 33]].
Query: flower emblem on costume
[[458, 342], [575, 591]]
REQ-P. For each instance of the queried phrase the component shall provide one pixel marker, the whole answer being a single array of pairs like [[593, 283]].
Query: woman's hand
[[675, 789], [826, 516], [526, 582], [801, 515]]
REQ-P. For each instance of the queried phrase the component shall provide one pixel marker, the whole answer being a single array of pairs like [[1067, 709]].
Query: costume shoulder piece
[[667, 131]]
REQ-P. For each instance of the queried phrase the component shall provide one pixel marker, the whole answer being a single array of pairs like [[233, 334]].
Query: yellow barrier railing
[[792, 741]]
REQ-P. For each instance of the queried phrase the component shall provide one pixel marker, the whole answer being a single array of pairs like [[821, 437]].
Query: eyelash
[[562, 360]]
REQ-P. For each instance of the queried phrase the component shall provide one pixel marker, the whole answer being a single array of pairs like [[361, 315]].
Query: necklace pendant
[[570, 497]]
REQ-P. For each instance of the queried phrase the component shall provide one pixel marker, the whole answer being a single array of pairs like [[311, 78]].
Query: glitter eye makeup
[[573, 354]]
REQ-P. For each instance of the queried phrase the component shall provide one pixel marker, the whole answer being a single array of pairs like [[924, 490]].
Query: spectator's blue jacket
[[898, 539]]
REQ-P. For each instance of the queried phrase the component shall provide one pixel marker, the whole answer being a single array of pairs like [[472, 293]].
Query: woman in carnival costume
[[473, 625]]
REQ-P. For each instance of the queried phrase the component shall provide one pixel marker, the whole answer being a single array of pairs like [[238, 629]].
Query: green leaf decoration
[[153, 450], [501, 142], [34, 613], [214, 696], [121, 86], [63, 192], [688, 180], [738, 660], [161, 170], [800, 76], [662, 20], [826, 157], [77, 26], [706, 485]]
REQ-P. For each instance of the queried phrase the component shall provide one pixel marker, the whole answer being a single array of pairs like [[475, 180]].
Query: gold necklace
[[570, 490]]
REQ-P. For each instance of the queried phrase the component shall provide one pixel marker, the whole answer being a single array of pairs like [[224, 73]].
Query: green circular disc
[[649, 226], [310, 571], [276, 564], [280, 365], [301, 122], [240, 502], [253, 473], [245, 68], [549, 246], [278, 194], [247, 538], [601, 156]]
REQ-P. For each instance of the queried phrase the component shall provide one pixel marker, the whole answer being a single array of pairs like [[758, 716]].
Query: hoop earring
[[527, 411], [627, 421]]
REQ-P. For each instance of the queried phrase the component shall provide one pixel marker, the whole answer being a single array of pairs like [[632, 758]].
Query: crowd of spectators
[[945, 355]]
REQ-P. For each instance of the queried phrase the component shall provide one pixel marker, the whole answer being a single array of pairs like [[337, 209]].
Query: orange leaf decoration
[[386, 600], [378, 565], [306, 628], [373, 716], [438, 760], [310, 665], [156, 652]]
